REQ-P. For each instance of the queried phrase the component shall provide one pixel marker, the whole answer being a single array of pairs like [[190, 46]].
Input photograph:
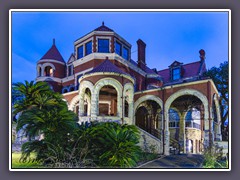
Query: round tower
[[51, 68]]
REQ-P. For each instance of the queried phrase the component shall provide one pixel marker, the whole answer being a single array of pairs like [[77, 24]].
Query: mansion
[[174, 108]]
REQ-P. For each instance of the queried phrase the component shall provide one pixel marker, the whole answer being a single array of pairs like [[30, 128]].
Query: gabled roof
[[71, 59], [189, 70], [53, 53], [175, 63], [103, 28], [107, 66]]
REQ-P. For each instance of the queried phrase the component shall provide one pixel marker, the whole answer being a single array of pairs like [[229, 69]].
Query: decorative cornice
[[106, 73], [50, 60], [43, 78], [179, 85], [110, 56]]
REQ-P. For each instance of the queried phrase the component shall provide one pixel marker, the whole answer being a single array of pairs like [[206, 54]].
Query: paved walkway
[[176, 161]]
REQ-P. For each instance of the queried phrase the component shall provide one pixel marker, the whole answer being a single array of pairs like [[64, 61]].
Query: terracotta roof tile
[[107, 66], [190, 70]]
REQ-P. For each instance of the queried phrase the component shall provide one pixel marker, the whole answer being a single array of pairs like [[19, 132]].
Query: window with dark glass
[[118, 48], [80, 52], [88, 48], [176, 74], [103, 45], [70, 70], [125, 53]]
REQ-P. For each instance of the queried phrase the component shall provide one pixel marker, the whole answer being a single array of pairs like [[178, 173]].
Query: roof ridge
[[182, 65]]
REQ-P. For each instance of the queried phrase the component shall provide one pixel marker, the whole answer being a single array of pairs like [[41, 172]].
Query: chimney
[[141, 54], [202, 54]]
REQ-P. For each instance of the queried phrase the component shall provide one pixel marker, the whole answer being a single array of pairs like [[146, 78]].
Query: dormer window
[[88, 48], [103, 45], [175, 70], [176, 73]]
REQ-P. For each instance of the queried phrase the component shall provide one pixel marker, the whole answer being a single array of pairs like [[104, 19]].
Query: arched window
[[39, 71], [108, 101], [72, 88], [126, 106], [173, 118], [48, 71], [64, 90]]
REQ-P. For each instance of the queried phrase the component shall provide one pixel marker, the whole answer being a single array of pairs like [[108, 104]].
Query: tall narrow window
[[40, 71], [176, 74], [118, 48], [70, 70], [125, 53], [88, 48], [103, 45], [80, 52]]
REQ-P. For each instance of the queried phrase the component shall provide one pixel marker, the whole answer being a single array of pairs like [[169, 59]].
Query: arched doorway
[[149, 118], [184, 100], [107, 101], [186, 109]]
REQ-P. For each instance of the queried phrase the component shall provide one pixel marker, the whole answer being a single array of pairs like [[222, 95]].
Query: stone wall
[[149, 143]]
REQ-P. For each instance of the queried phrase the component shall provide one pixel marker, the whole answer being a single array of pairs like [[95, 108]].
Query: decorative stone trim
[[114, 56], [82, 87], [44, 78], [51, 60], [182, 92], [129, 87], [95, 95], [73, 102], [146, 98], [219, 122], [178, 85], [106, 73]]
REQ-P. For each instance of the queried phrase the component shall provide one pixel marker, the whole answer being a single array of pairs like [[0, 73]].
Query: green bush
[[213, 158]]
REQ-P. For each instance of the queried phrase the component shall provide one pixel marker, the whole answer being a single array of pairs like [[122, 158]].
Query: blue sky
[[169, 36]]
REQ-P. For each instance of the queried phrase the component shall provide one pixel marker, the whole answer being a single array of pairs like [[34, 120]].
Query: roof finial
[[53, 41], [202, 54], [103, 23]]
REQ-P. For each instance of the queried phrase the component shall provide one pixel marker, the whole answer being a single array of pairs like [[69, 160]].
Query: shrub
[[213, 158]]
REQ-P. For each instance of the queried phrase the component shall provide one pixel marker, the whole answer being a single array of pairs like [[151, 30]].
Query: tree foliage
[[66, 144], [220, 76]]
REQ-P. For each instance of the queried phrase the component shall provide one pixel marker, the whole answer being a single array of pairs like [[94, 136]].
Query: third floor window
[[103, 45]]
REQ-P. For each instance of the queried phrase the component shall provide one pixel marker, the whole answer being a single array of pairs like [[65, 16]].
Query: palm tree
[[115, 144], [42, 112], [26, 95]]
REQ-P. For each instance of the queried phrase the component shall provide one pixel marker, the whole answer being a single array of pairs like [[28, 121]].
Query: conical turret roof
[[53, 53]]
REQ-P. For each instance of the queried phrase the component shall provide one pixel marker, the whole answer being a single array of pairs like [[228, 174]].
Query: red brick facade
[[158, 91]]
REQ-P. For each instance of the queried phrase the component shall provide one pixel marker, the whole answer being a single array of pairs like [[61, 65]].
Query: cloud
[[22, 69]]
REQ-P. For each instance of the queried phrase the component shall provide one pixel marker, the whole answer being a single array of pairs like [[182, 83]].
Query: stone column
[[182, 132], [94, 106], [166, 133]]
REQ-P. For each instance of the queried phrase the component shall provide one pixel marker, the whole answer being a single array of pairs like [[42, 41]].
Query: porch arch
[[128, 87], [178, 94], [82, 88], [217, 131], [95, 95]]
